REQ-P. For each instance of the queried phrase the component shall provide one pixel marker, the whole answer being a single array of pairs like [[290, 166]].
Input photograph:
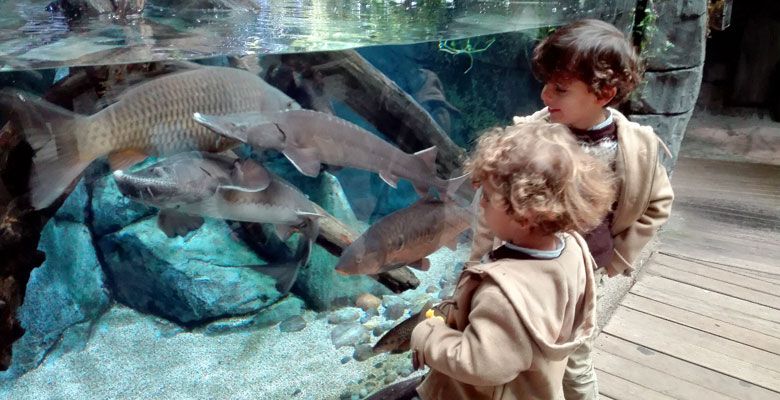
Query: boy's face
[[571, 103], [499, 221]]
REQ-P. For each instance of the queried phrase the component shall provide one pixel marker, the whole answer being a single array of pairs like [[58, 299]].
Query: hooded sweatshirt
[[510, 329]]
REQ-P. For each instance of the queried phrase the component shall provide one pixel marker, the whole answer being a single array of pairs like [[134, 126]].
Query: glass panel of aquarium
[[243, 199]]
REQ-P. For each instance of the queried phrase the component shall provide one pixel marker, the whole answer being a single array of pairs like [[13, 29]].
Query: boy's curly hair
[[592, 51], [538, 171]]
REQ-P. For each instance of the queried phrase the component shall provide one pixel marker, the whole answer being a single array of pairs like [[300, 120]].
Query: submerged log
[[348, 77]]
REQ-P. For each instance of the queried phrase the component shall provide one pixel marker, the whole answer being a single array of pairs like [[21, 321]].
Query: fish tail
[[455, 183], [286, 273], [52, 132]]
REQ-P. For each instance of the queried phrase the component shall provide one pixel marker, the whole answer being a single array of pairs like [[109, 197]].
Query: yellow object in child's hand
[[431, 314]]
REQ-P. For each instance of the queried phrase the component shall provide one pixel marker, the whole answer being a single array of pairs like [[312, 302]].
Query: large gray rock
[[670, 128], [66, 290], [185, 279], [677, 37], [74, 208], [669, 92], [111, 210]]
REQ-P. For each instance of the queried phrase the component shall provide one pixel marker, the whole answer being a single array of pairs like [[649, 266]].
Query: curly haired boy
[[513, 321]]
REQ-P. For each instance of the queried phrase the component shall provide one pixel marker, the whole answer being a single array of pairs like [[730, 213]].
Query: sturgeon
[[214, 185], [151, 119], [406, 237], [310, 138]]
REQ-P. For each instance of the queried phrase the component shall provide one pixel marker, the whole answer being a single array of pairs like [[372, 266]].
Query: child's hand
[[418, 361]]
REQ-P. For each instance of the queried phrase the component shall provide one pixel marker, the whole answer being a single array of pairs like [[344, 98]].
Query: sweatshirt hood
[[555, 299]]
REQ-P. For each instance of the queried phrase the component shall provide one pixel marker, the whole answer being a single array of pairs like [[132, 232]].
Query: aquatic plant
[[450, 47], [646, 29], [481, 115], [545, 31]]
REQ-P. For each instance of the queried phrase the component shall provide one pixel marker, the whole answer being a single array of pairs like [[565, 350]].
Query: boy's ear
[[609, 94]]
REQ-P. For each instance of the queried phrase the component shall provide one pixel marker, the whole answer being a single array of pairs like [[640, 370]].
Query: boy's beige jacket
[[510, 329], [645, 194]]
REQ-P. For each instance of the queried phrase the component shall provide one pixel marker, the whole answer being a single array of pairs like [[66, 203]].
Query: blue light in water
[[60, 74]]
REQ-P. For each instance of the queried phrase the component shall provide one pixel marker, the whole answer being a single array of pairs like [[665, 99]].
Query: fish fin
[[231, 153], [285, 273], [216, 123], [53, 133], [121, 160], [283, 231], [389, 179], [288, 272], [422, 264], [304, 159], [421, 191], [174, 223], [402, 347], [311, 228], [453, 244], [455, 183], [250, 175], [428, 156]]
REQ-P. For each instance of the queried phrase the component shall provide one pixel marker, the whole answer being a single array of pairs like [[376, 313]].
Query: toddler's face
[[571, 103], [499, 221]]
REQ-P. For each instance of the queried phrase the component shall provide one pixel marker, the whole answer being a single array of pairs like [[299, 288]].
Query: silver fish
[[152, 118], [406, 237], [310, 138], [213, 185]]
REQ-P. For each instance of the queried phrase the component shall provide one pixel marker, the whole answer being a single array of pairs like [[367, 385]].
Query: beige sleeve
[[492, 350], [629, 243]]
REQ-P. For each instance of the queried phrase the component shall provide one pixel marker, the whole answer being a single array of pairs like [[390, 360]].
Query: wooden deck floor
[[703, 322]]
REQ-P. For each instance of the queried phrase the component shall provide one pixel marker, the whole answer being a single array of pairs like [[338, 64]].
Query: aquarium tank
[[241, 198]]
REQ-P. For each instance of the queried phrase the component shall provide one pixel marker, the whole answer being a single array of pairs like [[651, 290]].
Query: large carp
[[151, 119]]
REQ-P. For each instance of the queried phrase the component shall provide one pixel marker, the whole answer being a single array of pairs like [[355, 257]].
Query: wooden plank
[[739, 312], [707, 350], [721, 274], [619, 388], [732, 181], [711, 249], [704, 282], [653, 379], [697, 321], [692, 373], [740, 269]]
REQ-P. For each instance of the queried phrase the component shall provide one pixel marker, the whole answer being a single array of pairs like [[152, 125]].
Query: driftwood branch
[[348, 77]]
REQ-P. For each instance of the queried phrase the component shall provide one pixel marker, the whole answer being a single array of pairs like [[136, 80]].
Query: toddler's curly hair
[[539, 172], [592, 51]]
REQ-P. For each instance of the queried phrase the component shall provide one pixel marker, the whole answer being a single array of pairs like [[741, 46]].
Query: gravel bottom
[[133, 356]]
